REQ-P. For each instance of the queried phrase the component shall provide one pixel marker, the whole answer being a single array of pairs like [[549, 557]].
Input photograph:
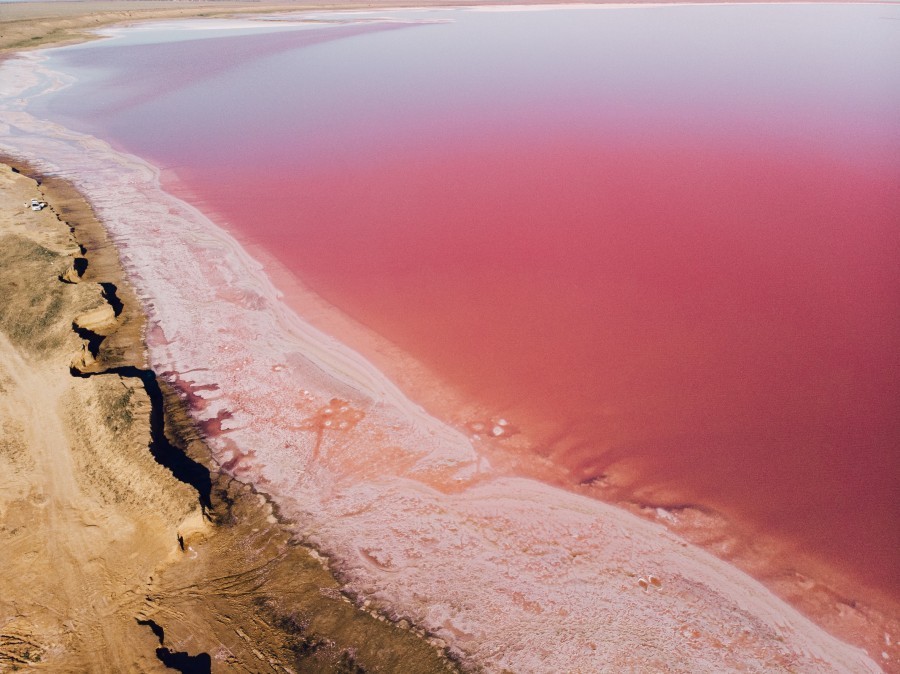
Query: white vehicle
[[37, 205]]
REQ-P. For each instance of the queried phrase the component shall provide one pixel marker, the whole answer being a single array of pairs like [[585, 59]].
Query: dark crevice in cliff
[[109, 291], [79, 266], [161, 448], [91, 339], [155, 627], [166, 454], [180, 661]]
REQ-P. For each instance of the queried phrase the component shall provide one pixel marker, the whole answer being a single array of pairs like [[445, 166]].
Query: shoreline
[[834, 598], [41, 24], [187, 522], [137, 251]]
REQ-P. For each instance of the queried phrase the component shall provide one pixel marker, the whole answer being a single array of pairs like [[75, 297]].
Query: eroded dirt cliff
[[123, 547]]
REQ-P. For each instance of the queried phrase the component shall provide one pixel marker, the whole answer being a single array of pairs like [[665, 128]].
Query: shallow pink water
[[675, 268]]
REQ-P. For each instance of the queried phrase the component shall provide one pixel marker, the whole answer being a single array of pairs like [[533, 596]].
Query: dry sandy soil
[[121, 551]]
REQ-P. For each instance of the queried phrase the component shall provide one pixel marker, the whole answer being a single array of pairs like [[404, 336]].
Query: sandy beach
[[137, 540]]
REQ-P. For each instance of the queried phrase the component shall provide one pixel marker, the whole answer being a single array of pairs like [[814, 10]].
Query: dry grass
[[31, 314]]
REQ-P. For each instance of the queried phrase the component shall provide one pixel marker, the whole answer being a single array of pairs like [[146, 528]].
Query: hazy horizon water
[[663, 240]]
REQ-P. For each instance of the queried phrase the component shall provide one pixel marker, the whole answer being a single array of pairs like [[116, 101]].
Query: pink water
[[752, 369], [666, 245]]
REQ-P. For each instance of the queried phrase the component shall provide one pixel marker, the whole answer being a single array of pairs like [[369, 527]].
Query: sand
[[130, 547]]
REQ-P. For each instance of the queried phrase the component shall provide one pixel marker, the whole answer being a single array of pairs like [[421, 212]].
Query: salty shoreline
[[354, 374], [839, 603], [110, 494]]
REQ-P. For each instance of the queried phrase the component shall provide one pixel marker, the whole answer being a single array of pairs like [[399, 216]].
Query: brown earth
[[121, 550]]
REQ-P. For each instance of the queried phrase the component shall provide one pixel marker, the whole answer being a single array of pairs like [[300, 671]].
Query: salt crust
[[509, 572]]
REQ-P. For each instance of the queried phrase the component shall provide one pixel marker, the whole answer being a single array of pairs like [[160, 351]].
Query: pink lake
[[664, 244]]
